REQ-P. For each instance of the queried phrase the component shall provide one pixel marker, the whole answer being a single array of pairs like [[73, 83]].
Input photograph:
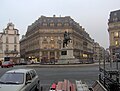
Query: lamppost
[[117, 53], [111, 62], [117, 58], [99, 59]]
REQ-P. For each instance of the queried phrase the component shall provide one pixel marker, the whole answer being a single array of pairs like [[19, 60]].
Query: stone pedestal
[[67, 57], [67, 54]]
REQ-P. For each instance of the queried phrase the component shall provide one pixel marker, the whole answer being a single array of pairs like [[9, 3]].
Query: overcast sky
[[90, 14]]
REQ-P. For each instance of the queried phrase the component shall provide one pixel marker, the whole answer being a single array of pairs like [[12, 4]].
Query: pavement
[[59, 65]]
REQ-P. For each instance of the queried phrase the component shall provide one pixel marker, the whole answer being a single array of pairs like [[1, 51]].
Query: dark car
[[7, 64]]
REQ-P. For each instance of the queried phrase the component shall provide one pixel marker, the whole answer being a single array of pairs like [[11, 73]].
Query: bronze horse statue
[[66, 39]]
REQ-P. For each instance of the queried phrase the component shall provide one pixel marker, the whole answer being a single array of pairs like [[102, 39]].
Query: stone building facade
[[114, 33], [96, 51], [44, 39], [9, 43], [99, 52]]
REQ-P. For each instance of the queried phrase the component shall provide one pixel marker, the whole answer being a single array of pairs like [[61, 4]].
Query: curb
[[60, 65]]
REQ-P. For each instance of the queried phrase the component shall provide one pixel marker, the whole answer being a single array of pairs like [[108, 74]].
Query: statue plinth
[[67, 56]]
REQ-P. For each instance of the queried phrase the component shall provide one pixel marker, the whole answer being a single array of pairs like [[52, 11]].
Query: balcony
[[11, 52], [114, 28]]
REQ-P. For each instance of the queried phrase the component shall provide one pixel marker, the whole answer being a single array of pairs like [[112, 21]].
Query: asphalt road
[[47, 75], [86, 72]]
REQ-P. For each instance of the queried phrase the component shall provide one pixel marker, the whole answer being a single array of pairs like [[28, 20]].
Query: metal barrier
[[110, 79]]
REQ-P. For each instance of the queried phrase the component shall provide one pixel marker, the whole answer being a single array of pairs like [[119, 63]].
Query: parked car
[[20, 80], [7, 64]]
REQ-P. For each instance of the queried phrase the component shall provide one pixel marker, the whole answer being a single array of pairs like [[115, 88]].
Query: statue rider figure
[[66, 39]]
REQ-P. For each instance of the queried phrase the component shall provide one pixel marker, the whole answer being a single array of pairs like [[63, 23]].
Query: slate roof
[[114, 16], [54, 19]]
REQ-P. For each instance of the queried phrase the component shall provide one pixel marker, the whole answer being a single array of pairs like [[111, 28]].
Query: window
[[52, 42], [115, 19], [15, 47], [116, 43], [45, 42], [59, 24], [13, 78], [7, 47], [7, 40], [51, 24], [28, 77], [15, 40], [116, 34], [52, 53], [33, 74], [14, 32], [6, 31], [44, 24], [115, 14], [66, 24]]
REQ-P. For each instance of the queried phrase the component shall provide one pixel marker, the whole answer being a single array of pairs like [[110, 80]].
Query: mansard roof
[[55, 20], [114, 16]]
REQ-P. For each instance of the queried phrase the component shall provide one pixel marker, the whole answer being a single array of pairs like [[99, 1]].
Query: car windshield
[[12, 78]]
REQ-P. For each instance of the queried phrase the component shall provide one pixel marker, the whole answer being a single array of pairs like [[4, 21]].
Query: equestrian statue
[[66, 39]]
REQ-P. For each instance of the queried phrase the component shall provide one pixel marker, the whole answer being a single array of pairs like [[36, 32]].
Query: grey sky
[[91, 14]]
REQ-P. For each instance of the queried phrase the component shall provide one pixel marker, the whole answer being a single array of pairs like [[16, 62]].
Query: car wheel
[[1, 66], [38, 86]]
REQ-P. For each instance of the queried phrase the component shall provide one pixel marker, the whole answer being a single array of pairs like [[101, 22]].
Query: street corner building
[[9, 44], [114, 33], [43, 40]]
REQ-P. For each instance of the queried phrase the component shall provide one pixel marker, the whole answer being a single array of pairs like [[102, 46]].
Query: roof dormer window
[[66, 24], [59, 24], [51, 24], [44, 24]]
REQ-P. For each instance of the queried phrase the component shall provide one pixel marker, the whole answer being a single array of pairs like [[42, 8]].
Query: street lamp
[[117, 53]]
